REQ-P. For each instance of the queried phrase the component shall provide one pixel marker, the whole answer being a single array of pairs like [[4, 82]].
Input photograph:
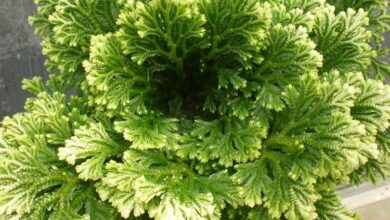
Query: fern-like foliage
[[322, 140], [34, 183], [94, 143], [233, 37], [110, 74], [151, 181], [227, 140], [180, 24], [379, 23], [289, 52], [66, 27], [347, 48], [149, 132], [326, 205], [199, 109]]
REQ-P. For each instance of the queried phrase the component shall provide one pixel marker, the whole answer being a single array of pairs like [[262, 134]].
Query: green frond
[[34, 185], [52, 110], [372, 105], [149, 132], [20, 127], [381, 68], [62, 57], [270, 97], [227, 140], [343, 39], [289, 53], [377, 12], [339, 92], [67, 60], [305, 5], [223, 189], [230, 78], [285, 15], [162, 32], [294, 199], [115, 82], [171, 208], [45, 7], [41, 21], [259, 213], [149, 181], [236, 30], [46, 103], [274, 195], [383, 141], [66, 27], [75, 21], [322, 138], [329, 207], [123, 201], [34, 85], [255, 181], [93, 145], [302, 198], [374, 170], [301, 97]]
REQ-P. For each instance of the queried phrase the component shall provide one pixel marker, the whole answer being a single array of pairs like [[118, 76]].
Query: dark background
[[20, 54]]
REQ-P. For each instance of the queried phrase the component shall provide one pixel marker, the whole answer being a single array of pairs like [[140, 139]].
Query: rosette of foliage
[[199, 109]]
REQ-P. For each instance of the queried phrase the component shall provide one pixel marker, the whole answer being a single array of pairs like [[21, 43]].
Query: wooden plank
[[358, 196]]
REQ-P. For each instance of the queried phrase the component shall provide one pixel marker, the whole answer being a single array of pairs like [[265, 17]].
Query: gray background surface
[[20, 54]]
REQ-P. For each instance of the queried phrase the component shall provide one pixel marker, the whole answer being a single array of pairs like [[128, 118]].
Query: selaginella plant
[[199, 109]]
